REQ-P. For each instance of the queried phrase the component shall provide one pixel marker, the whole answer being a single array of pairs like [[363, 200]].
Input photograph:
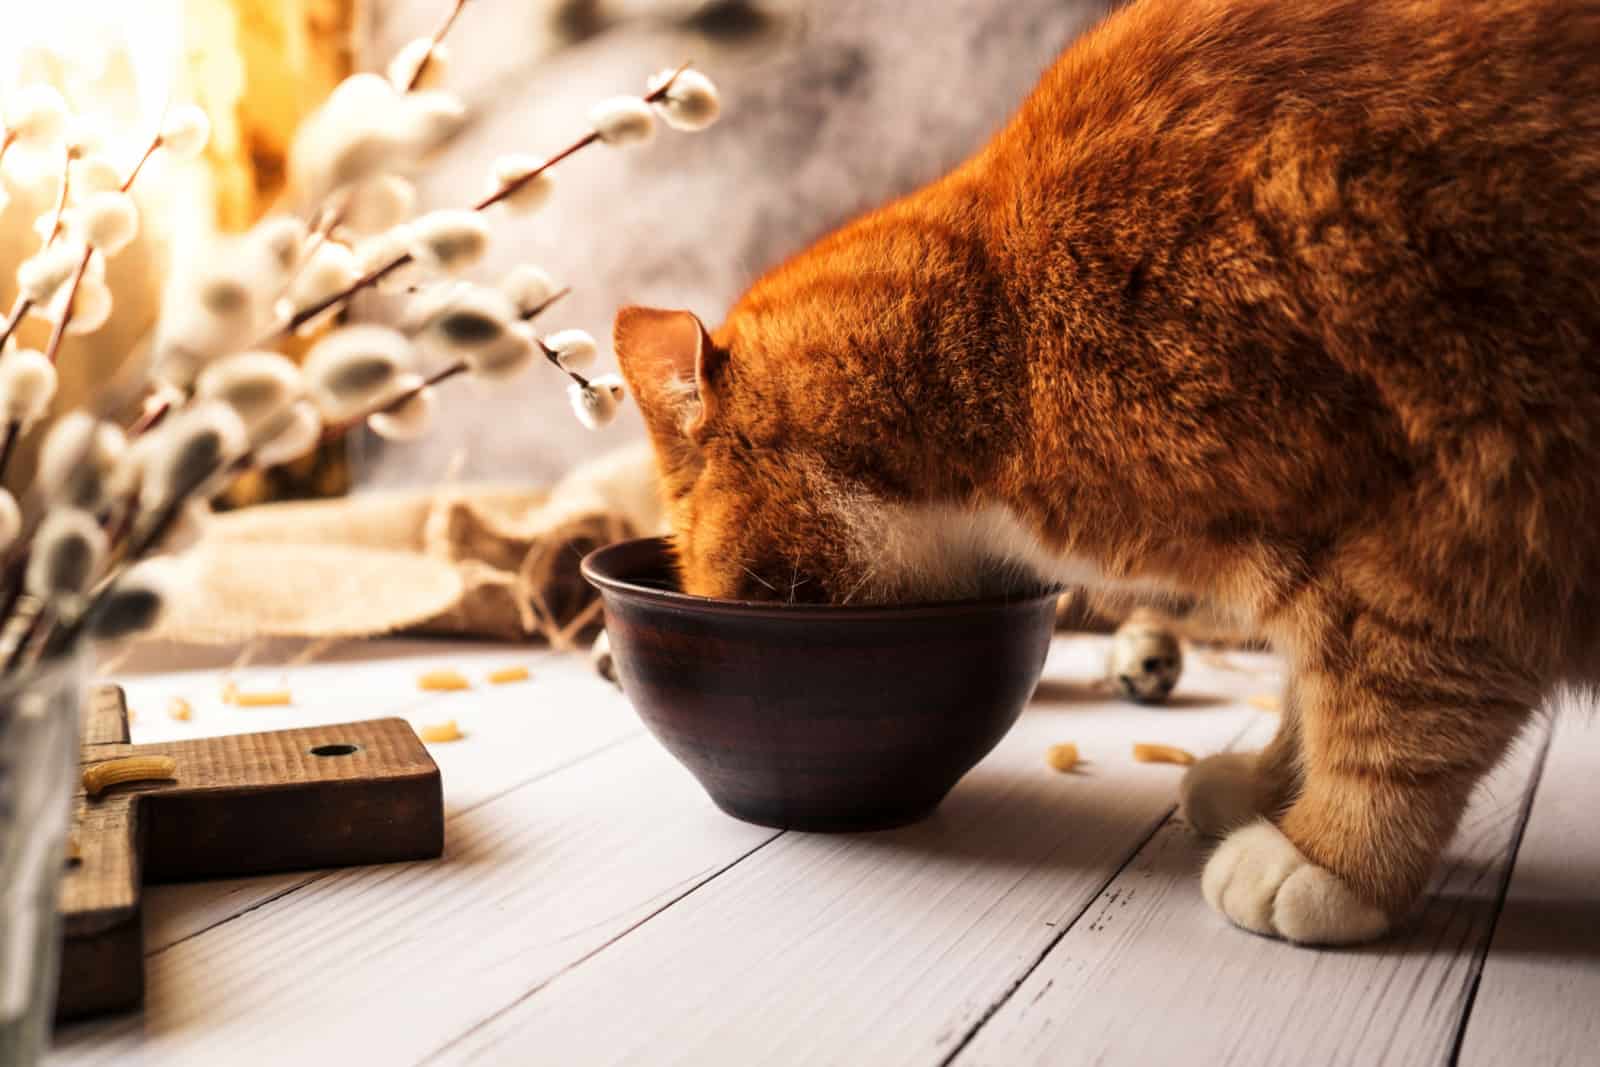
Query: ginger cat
[[1293, 305]]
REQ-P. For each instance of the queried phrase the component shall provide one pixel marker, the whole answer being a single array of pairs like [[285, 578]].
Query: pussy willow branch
[[22, 305], [61, 198], [372, 277], [336, 430], [460, 366], [16, 558], [58, 332], [150, 150]]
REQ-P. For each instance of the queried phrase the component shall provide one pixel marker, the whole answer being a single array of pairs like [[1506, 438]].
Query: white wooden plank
[[1540, 986], [377, 965], [883, 948], [515, 733], [1151, 975]]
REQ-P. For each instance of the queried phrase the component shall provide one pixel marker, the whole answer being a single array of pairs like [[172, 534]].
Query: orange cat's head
[[752, 505], [807, 446]]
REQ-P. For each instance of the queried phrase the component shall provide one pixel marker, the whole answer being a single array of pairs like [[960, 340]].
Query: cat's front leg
[[1389, 754], [1224, 792]]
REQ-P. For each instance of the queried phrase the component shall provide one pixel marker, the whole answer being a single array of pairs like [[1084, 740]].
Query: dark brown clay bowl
[[818, 718]]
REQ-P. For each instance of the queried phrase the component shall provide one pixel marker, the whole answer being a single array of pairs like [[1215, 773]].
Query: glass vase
[[39, 772]]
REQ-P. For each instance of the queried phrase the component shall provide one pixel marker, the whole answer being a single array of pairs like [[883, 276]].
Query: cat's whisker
[[858, 586], [758, 578]]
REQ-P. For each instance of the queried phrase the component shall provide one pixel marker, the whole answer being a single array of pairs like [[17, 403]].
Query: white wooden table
[[593, 907]]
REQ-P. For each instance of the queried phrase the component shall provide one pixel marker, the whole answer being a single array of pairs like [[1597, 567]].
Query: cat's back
[[1384, 184]]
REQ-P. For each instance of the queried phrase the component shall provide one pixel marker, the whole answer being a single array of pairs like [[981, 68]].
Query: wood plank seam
[[597, 950], [1062, 931], [1481, 953], [319, 876]]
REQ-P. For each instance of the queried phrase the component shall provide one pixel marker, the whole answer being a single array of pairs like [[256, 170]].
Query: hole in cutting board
[[335, 750]]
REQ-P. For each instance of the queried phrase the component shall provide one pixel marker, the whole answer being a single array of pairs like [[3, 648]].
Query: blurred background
[[831, 106]]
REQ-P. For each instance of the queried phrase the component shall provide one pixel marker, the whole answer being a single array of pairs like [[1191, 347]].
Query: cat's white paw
[[1260, 881], [1220, 793]]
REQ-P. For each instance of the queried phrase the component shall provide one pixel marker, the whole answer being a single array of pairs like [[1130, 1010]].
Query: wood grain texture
[[883, 948], [1151, 975], [320, 796], [593, 907], [1536, 999], [515, 734], [411, 956]]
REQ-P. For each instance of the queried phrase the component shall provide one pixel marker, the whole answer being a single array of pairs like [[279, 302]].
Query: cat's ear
[[671, 366]]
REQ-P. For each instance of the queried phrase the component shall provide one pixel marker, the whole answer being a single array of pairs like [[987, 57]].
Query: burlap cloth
[[486, 561]]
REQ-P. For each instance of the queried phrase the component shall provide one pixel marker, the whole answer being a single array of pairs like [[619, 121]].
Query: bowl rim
[[592, 569]]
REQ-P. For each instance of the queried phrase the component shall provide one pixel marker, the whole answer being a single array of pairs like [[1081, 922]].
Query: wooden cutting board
[[325, 796]]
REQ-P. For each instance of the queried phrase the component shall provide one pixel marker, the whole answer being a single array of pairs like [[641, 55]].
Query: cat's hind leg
[[1226, 791], [1394, 735]]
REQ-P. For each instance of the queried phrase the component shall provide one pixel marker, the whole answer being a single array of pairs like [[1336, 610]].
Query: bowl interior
[[643, 570]]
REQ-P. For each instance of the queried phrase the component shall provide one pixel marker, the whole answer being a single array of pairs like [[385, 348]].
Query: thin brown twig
[[61, 198], [58, 331], [438, 39], [150, 150], [19, 310], [154, 411], [338, 429], [539, 309], [8, 446], [555, 361], [22, 305]]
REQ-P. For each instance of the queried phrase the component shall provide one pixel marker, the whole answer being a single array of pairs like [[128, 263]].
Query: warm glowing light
[[115, 60]]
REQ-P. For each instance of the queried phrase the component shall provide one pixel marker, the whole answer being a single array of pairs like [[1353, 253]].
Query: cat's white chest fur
[[941, 551]]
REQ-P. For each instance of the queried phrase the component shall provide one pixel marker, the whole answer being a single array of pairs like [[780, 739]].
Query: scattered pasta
[[102, 776], [179, 708], [1267, 702], [444, 681], [1063, 757], [269, 698], [1148, 753], [506, 675], [439, 732]]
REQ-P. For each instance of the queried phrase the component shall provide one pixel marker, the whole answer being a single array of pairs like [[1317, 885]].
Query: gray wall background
[[830, 107]]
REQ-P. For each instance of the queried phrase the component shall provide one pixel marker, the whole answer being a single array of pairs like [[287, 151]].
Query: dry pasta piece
[[1145, 752], [439, 732], [508, 674], [267, 698], [1063, 757], [102, 776], [1267, 702], [444, 681], [230, 692], [179, 708]]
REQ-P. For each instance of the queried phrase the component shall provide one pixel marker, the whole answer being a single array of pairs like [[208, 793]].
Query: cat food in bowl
[[813, 717]]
